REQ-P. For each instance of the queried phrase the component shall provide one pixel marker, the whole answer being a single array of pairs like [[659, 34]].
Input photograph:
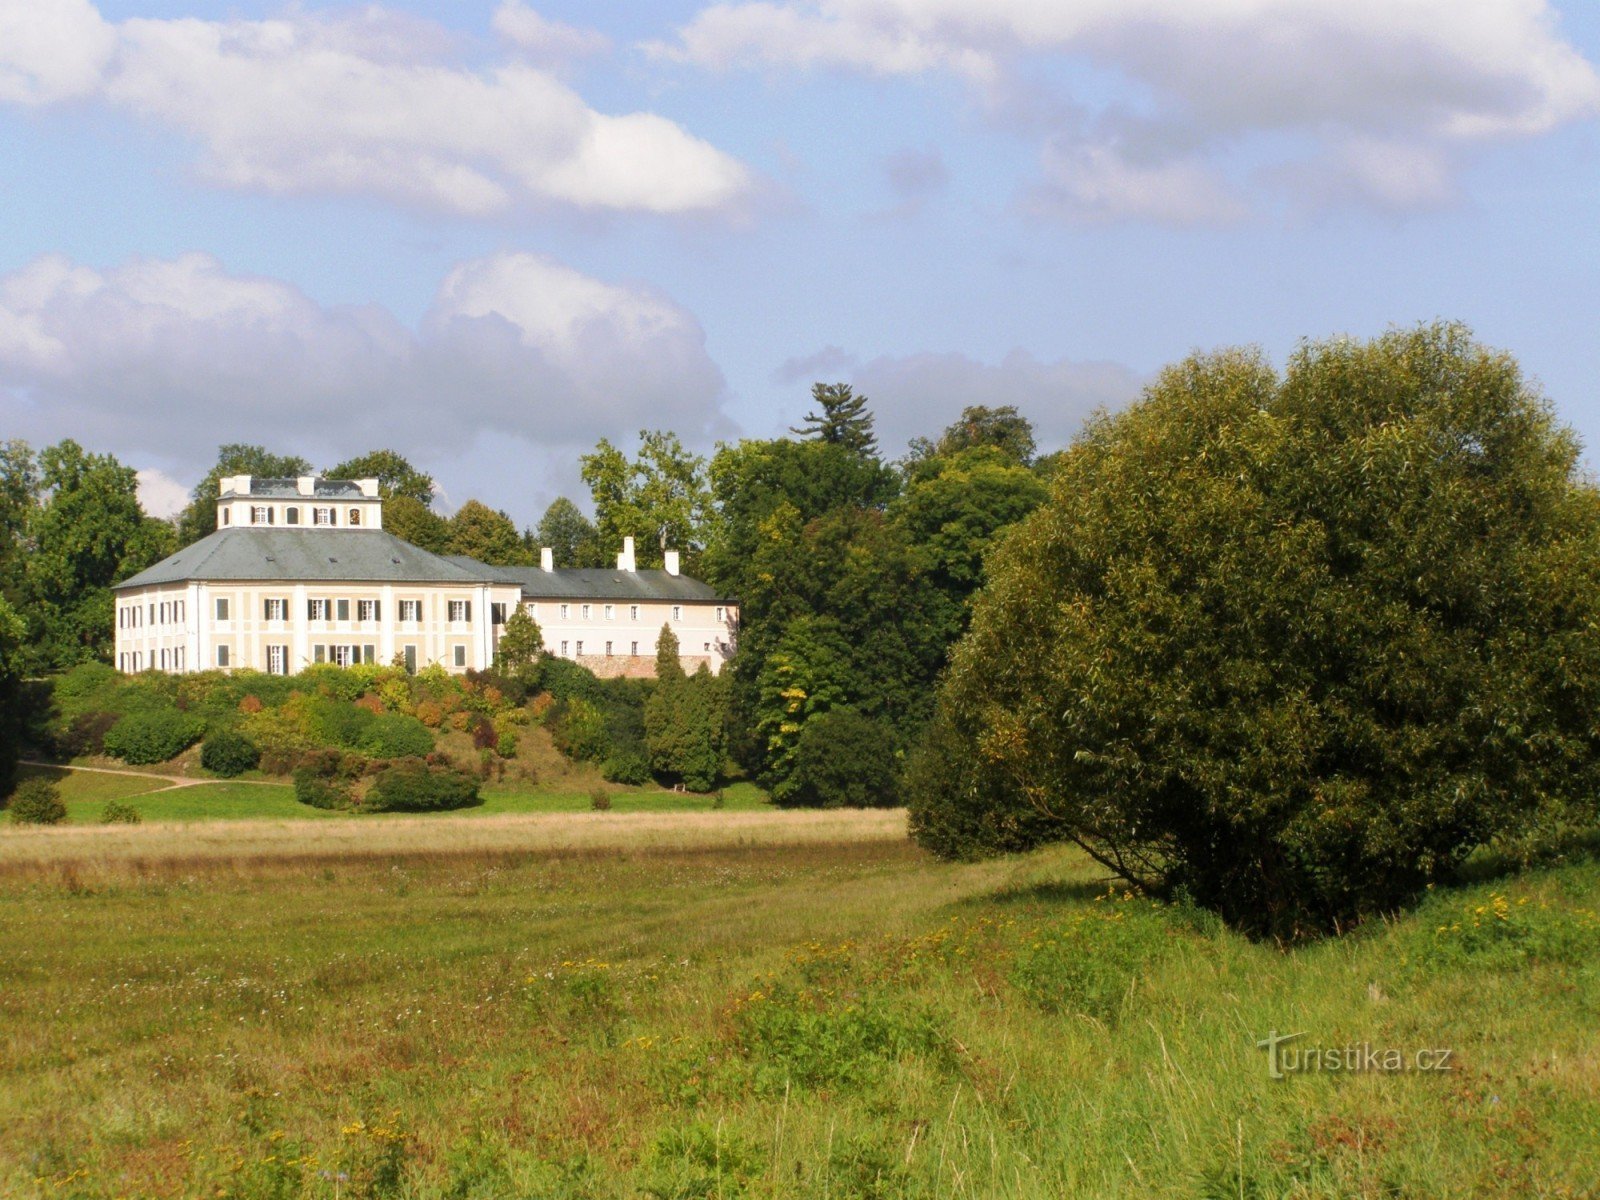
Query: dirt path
[[173, 781]]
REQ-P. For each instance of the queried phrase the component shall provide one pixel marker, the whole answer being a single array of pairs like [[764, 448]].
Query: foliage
[[11, 693], [600, 800], [36, 802], [1003, 429], [327, 779], [413, 521], [117, 813], [1295, 645], [520, 653], [487, 535], [396, 477], [227, 753], [661, 499], [571, 536], [841, 419], [395, 735], [413, 785], [685, 721], [153, 735], [626, 767], [200, 517], [843, 760]]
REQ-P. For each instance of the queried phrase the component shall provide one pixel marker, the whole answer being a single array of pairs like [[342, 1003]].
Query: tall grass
[[692, 1019]]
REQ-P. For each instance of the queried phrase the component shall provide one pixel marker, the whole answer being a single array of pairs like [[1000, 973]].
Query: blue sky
[[489, 234]]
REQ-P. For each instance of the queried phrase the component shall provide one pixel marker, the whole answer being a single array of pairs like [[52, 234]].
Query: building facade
[[301, 571]]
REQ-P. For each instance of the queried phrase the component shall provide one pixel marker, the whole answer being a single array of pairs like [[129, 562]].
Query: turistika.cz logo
[[1356, 1058]]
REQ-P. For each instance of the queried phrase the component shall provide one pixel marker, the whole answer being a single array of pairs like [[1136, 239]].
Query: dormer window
[[322, 516], [261, 514], [227, 516], [291, 516], [355, 517]]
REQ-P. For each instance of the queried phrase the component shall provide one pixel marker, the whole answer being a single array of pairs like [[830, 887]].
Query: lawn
[[839, 1019]]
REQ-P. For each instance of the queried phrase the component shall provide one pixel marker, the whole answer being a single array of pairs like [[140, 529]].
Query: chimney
[[671, 557], [369, 488], [238, 484], [547, 559], [306, 485], [625, 559]]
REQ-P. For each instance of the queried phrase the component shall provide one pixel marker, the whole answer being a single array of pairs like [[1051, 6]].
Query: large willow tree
[[1294, 645]]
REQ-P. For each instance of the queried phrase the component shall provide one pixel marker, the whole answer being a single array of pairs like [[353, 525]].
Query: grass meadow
[[753, 1004]]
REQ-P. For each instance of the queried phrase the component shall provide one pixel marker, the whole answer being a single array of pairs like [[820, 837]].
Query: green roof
[[303, 556]]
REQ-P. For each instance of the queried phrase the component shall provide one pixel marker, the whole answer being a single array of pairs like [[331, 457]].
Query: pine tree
[[842, 421]]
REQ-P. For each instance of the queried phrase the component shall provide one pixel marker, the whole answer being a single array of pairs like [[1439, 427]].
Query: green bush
[[153, 735], [327, 778], [36, 802], [411, 785], [600, 800], [629, 768], [1296, 644], [395, 735], [843, 760], [117, 813], [227, 753], [83, 734]]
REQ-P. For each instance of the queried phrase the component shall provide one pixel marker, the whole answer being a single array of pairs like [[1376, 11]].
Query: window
[[563, 612], [177, 659], [366, 610], [319, 654], [163, 660], [277, 660], [275, 609], [635, 649], [719, 616], [461, 656], [222, 608], [610, 612], [411, 610], [261, 514], [317, 610], [461, 610], [291, 516], [322, 516], [497, 614], [227, 516], [563, 650], [633, 612], [580, 649], [677, 612], [222, 656], [608, 649], [342, 609], [411, 660], [179, 607], [708, 647], [343, 656], [585, 612], [355, 517]]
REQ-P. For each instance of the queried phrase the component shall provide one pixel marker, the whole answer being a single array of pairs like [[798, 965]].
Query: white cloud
[[545, 40], [1420, 79], [363, 105], [1088, 183], [160, 495], [170, 358], [918, 395]]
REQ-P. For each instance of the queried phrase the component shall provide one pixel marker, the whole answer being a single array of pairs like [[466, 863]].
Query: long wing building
[[301, 571]]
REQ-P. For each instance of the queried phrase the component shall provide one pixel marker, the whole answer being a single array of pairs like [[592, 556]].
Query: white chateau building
[[300, 571]]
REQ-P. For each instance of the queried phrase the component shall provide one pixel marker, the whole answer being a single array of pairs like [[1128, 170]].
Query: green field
[[86, 793], [840, 1020]]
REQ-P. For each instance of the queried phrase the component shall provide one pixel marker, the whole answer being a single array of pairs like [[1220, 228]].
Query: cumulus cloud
[[540, 38], [170, 358], [1377, 90], [160, 495], [367, 105], [918, 395]]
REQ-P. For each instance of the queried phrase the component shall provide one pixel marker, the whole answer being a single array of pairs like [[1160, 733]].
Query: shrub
[[84, 734], [394, 735], [37, 802], [579, 730], [411, 785], [153, 735], [1296, 645], [250, 704], [227, 753], [629, 767], [843, 760], [327, 779], [483, 735], [506, 744], [430, 714], [117, 813], [600, 800]]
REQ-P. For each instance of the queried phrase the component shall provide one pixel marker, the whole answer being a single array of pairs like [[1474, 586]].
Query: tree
[[521, 649], [1003, 428], [661, 498], [12, 633], [409, 519], [487, 535], [685, 720], [844, 760], [570, 535], [842, 419], [1293, 646], [235, 458], [19, 497], [88, 533], [395, 475]]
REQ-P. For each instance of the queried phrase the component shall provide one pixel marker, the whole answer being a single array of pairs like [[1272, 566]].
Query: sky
[[488, 235]]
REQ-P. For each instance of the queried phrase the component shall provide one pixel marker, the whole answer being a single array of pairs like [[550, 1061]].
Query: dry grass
[[33, 850]]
